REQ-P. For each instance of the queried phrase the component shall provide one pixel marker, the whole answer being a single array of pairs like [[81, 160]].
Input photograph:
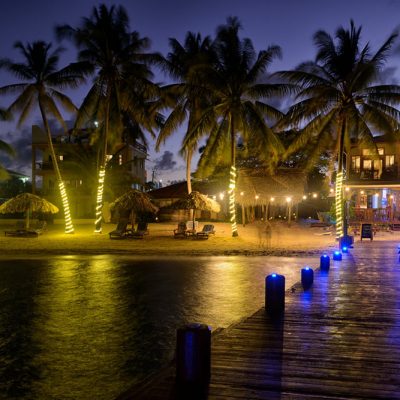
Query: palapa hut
[[259, 192]]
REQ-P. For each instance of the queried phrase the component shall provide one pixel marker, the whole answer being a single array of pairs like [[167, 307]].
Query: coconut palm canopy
[[258, 182], [27, 202], [134, 200], [196, 201]]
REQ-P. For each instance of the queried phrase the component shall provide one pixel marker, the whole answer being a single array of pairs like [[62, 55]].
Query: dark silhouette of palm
[[233, 84], [182, 64], [122, 79], [339, 97], [41, 87]]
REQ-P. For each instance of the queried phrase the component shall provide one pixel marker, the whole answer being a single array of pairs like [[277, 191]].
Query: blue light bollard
[[325, 262], [345, 249], [275, 294], [337, 255], [193, 357], [307, 277]]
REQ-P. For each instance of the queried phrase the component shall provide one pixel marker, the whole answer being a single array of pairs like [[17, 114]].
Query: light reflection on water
[[88, 327]]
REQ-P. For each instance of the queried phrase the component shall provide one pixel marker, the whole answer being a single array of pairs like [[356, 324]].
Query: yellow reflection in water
[[80, 305]]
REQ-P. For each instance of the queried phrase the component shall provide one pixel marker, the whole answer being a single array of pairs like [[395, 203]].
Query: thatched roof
[[27, 202], [258, 182], [134, 200], [196, 201]]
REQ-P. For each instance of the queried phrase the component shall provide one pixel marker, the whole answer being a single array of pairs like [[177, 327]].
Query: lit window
[[61, 158], [389, 161], [367, 164], [355, 163], [368, 152]]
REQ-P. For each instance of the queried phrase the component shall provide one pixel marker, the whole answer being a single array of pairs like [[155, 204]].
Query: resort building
[[373, 181], [77, 162]]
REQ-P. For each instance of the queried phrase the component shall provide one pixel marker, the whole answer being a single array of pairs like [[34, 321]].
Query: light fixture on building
[[288, 199], [272, 199], [257, 197], [314, 195], [347, 189], [362, 192], [221, 196], [304, 197]]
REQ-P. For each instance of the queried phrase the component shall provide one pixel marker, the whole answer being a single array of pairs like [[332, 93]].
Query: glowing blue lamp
[[307, 277], [275, 294], [325, 262], [345, 249], [337, 256]]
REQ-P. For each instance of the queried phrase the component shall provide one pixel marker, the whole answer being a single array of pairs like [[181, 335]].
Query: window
[[355, 163], [368, 152], [61, 158], [367, 164], [389, 161]]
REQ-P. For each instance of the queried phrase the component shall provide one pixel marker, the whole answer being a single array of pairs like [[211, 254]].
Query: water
[[87, 328]]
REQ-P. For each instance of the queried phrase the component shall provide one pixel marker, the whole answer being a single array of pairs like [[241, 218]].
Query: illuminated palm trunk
[[99, 199], [339, 183], [232, 183], [69, 227], [102, 169], [232, 200], [339, 205]]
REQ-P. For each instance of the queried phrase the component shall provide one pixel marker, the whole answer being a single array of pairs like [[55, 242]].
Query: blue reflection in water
[[88, 327]]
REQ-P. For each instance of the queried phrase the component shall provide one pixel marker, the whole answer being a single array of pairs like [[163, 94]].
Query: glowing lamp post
[[325, 262], [307, 277], [275, 294], [193, 357]]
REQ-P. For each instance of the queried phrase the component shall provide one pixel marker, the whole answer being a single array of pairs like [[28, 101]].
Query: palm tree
[[42, 85], [5, 147], [236, 110], [182, 63], [340, 98], [122, 78]]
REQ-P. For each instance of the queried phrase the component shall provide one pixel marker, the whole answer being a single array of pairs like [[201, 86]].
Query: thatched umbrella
[[134, 200], [27, 203], [196, 201]]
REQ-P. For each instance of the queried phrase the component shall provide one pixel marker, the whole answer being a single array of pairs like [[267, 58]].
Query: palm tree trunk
[[188, 168], [188, 179], [339, 182], [232, 182], [69, 228], [102, 169]]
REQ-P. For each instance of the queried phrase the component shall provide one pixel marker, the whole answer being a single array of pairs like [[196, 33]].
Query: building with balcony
[[373, 181], [77, 160]]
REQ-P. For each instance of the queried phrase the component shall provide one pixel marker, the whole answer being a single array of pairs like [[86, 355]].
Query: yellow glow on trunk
[[69, 228], [232, 208], [339, 205], [99, 199]]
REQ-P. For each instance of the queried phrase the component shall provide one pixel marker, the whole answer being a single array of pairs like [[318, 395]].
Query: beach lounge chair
[[121, 231], [207, 230], [181, 231], [142, 229]]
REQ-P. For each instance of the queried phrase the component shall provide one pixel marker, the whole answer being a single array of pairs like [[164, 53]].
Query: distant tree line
[[220, 91]]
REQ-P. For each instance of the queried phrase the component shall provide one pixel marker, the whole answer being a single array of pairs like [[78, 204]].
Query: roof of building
[[17, 174]]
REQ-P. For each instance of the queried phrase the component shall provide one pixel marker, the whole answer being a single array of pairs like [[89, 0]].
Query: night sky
[[287, 23]]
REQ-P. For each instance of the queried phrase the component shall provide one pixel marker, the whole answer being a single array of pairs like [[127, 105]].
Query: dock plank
[[339, 340]]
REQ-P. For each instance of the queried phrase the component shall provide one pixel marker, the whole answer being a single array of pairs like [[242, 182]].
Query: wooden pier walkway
[[339, 340]]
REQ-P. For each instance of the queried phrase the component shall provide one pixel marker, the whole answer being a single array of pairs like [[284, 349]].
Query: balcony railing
[[388, 174]]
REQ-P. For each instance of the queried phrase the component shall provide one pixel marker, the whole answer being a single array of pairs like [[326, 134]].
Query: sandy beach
[[253, 240]]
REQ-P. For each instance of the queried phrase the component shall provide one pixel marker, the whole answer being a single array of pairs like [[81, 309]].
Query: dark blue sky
[[288, 23]]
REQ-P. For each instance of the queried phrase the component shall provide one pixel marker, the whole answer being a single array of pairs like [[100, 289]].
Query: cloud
[[22, 144], [165, 162]]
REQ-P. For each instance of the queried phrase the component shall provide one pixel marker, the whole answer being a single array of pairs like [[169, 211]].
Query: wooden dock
[[339, 340]]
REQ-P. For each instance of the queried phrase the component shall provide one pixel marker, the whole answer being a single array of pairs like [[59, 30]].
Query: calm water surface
[[87, 328]]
